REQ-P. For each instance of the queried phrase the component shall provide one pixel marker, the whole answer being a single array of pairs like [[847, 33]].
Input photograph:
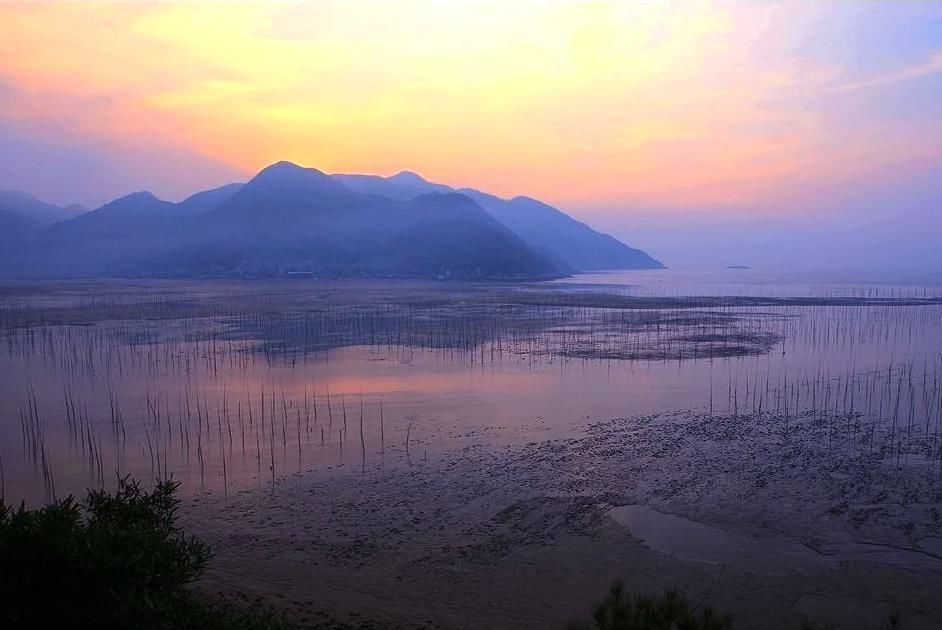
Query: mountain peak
[[408, 177], [141, 196], [282, 166], [137, 201], [284, 170], [290, 176]]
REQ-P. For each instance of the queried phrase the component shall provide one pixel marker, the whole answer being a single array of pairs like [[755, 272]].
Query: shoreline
[[524, 536]]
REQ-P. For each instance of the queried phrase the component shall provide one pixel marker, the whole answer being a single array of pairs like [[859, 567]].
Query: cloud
[[64, 164], [692, 104], [931, 66]]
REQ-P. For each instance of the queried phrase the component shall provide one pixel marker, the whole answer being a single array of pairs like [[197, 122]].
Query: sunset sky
[[643, 117]]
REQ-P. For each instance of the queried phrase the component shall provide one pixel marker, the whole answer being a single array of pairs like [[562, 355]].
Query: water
[[750, 282], [232, 385], [768, 555]]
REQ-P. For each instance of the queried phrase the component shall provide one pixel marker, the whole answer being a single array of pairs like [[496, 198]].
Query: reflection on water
[[224, 393]]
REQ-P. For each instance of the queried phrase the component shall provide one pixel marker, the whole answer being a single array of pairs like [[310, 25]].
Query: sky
[[710, 133]]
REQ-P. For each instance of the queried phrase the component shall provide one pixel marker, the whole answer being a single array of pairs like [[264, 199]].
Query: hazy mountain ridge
[[560, 237], [403, 186], [101, 242], [289, 219], [16, 229], [206, 200], [570, 244], [25, 205]]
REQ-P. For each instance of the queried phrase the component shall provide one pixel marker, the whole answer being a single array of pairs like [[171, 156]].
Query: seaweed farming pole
[[362, 440], [343, 406], [711, 387], [271, 441]]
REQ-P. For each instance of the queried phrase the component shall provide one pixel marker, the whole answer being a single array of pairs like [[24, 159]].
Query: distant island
[[739, 267], [294, 221]]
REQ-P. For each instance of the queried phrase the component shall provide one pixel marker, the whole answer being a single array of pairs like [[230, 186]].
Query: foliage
[[117, 561], [669, 611], [892, 623], [112, 561]]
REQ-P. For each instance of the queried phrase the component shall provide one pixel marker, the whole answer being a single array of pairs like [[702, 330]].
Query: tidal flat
[[436, 454]]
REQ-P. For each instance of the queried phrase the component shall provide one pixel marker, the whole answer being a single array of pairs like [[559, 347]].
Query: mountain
[[560, 237], [285, 192], [206, 200], [122, 218], [28, 206], [404, 185], [102, 242], [287, 219], [570, 244], [16, 231]]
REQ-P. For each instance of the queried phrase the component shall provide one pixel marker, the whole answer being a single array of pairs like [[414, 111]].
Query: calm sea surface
[[204, 398]]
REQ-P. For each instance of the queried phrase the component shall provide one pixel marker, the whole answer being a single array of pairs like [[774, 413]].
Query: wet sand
[[530, 536]]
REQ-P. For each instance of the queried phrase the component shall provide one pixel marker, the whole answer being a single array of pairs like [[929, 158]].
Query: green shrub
[[112, 561], [670, 611]]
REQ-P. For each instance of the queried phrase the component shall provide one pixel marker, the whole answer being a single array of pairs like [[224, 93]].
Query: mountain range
[[293, 220], [22, 216]]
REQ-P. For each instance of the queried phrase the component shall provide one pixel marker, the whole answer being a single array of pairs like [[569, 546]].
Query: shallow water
[[690, 540], [698, 542], [759, 283], [222, 402]]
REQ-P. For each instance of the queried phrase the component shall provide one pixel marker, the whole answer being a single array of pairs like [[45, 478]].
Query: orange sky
[[587, 104]]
